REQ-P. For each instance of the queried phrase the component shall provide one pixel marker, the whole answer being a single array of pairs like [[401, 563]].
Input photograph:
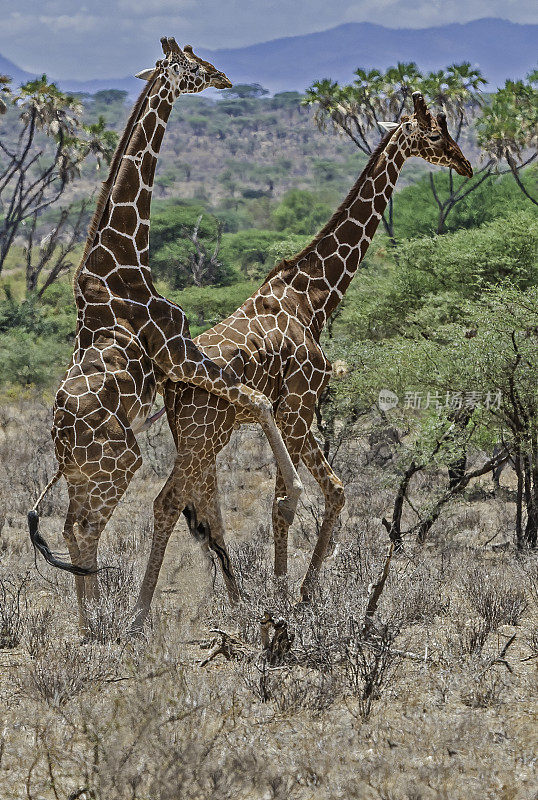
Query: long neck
[[322, 272], [119, 232]]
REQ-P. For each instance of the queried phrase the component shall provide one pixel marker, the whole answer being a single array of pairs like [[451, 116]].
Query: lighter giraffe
[[272, 343], [129, 338]]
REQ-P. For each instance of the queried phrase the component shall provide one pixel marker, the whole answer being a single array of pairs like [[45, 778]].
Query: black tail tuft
[[202, 533], [195, 529], [40, 544]]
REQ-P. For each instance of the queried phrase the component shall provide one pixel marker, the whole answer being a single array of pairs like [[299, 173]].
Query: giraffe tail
[[202, 533], [38, 542]]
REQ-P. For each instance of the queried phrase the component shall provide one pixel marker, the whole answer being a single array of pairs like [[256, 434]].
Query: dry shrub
[[418, 594], [472, 637], [483, 690], [332, 655], [494, 597], [291, 688], [39, 631], [527, 570], [370, 665], [532, 642], [159, 732], [61, 672], [13, 610]]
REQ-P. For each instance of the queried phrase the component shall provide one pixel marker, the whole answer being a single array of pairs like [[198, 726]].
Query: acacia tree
[[508, 128], [469, 388], [357, 110], [45, 154]]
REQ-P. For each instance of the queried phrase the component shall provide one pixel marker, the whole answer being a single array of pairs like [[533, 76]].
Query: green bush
[[416, 213], [172, 225], [469, 260], [301, 212], [426, 288], [205, 306], [27, 359]]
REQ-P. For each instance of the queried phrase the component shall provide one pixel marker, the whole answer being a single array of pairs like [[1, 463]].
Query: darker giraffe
[[130, 339]]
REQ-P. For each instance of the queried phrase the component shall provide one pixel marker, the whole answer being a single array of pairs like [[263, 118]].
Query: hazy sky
[[103, 38]]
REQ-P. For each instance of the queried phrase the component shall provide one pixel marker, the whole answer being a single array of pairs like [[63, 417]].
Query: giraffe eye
[[176, 68], [435, 137]]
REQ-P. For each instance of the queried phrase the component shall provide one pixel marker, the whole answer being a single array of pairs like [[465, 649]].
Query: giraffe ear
[[145, 74], [389, 126]]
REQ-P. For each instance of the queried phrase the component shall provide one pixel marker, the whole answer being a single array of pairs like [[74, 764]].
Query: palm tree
[[508, 128]]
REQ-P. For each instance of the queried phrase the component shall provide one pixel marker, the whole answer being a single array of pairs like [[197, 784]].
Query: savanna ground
[[423, 707]]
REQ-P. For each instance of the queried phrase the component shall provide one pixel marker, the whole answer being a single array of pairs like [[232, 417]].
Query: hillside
[[499, 47]]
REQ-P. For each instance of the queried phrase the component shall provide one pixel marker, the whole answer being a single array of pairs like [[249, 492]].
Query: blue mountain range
[[501, 49]]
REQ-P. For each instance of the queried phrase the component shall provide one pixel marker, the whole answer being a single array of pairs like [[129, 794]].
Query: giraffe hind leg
[[210, 529]]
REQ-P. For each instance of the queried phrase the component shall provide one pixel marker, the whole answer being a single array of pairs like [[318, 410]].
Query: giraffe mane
[[289, 263], [108, 184]]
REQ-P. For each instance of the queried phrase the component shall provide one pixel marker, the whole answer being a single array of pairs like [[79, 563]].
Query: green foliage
[[356, 109], [488, 363], [286, 248], [467, 261], [242, 90], [171, 247], [301, 212], [198, 124], [509, 122], [111, 104], [205, 306], [109, 97], [36, 337], [27, 359], [250, 250], [425, 289], [52, 316]]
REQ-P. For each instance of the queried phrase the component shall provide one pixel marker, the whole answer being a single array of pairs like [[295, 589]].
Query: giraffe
[[272, 342], [129, 338]]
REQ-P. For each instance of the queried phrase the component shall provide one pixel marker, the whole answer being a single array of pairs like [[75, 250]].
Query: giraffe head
[[427, 136], [183, 71]]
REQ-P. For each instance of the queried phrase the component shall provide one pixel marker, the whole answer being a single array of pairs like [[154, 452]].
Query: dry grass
[[427, 708]]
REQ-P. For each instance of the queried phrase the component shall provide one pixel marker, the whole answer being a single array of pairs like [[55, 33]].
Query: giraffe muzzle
[[463, 167]]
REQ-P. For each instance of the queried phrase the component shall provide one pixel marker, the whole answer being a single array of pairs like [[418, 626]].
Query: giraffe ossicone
[[272, 343], [129, 338]]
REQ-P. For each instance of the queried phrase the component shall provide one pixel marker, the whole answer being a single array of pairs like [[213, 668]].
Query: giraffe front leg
[[281, 524], [333, 492], [280, 530]]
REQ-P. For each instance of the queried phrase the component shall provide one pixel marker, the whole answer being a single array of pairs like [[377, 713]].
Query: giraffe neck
[[117, 249], [322, 272]]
